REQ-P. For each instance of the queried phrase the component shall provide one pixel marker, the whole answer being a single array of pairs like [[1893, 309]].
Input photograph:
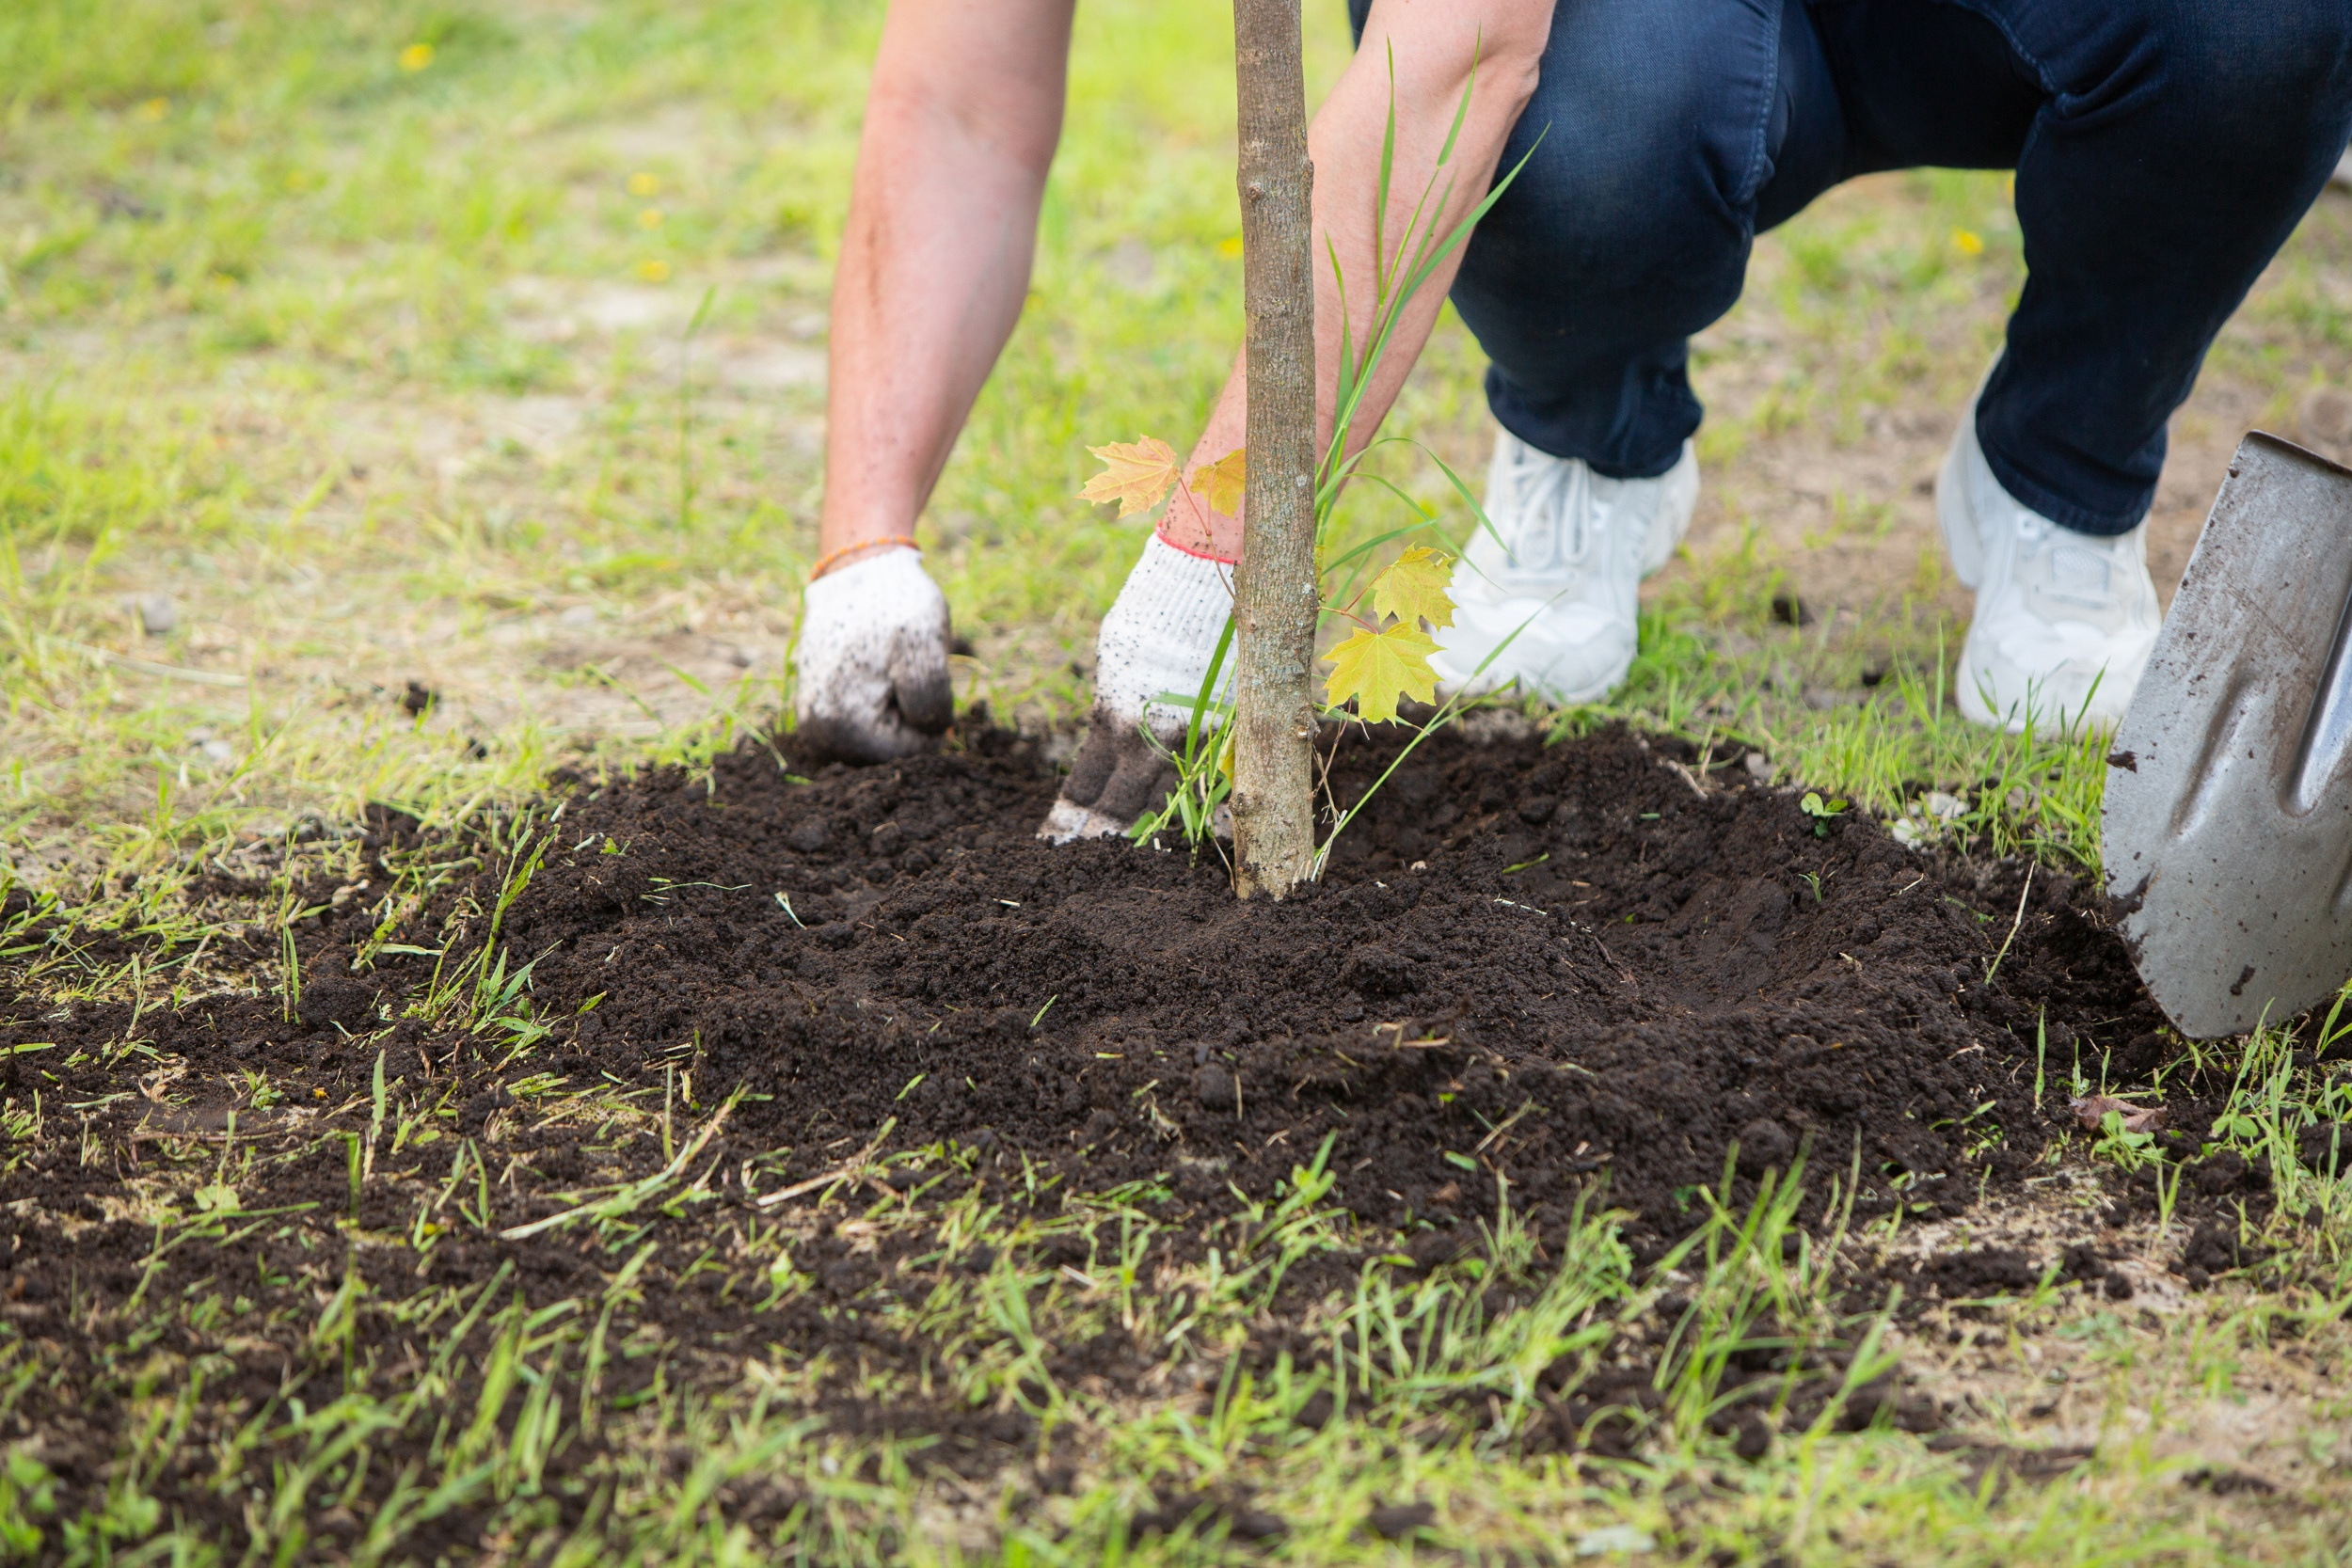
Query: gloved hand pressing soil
[[1157, 640], [873, 660]]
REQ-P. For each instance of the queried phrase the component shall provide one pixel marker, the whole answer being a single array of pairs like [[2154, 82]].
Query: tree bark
[[1275, 594]]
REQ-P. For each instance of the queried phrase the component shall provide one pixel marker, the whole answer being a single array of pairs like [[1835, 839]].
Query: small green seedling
[[1821, 810], [2127, 1148], [2235, 1128]]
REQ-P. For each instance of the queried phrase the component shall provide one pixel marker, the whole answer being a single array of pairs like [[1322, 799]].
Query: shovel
[[2228, 826]]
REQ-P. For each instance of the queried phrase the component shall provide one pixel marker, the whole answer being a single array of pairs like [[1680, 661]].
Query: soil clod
[[1395, 1521]]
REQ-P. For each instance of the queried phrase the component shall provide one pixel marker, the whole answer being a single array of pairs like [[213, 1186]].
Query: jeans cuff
[[2066, 513], [1550, 444]]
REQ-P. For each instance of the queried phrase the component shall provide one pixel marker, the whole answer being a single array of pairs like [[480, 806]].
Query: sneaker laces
[[2078, 593], [2083, 569], [2082, 577], [1543, 492]]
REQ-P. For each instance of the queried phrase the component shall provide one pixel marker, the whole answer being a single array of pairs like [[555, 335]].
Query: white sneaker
[[2064, 621], [1552, 605]]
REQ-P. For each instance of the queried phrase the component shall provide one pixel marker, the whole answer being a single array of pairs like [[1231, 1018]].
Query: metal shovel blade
[[2228, 829]]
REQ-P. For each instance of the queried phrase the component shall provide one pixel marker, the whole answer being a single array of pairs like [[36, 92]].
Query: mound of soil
[[1546, 965]]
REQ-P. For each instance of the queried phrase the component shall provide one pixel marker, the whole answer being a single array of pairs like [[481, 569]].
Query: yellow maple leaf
[[1135, 474], [1378, 667], [1414, 588], [1222, 483]]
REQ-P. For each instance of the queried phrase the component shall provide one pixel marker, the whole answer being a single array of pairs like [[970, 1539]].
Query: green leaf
[[1414, 588], [1377, 668], [1462, 1160], [1813, 805]]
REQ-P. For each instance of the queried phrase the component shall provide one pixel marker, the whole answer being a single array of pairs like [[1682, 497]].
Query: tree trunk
[[1274, 590]]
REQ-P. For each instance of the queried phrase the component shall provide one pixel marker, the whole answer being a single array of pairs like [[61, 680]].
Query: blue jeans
[[2164, 150]]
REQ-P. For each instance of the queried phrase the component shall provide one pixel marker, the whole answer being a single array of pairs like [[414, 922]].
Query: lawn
[[409, 448]]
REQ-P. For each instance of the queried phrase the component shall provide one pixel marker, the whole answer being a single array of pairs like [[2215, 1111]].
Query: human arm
[[1435, 46], [961, 124]]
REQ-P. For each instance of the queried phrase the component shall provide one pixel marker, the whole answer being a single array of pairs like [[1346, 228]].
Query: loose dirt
[[1546, 964], [1534, 974]]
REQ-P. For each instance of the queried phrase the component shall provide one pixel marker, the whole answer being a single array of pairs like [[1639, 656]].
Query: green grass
[[509, 1401], [370, 358]]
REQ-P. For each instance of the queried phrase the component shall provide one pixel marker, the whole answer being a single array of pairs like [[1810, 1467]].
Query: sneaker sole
[[1970, 697], [1970, 701]]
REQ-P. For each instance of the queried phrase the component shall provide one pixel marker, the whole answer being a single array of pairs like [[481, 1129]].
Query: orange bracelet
[[824, 562]]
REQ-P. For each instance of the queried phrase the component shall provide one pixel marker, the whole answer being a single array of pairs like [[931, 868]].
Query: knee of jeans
[[2265, 69], [1625, 168]]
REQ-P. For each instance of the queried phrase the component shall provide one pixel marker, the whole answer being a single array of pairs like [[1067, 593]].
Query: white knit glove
[[1157, 640], [873, 660]]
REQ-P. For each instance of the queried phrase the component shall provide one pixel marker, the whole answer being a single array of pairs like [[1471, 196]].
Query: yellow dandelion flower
[[649, 218], [1968, 241], [642, 184], [655, 271], [1229, 246], [155, 108], [415, 56]]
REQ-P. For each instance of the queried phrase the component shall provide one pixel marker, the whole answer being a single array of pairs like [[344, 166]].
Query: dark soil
[[1634, 975], [1552, 970]]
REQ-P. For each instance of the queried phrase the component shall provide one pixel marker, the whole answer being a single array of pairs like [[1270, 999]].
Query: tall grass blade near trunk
[[1275, 599]]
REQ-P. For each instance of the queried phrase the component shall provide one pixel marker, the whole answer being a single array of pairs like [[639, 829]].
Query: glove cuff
[[1160, 633], [886, 574], [1196, 555]]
